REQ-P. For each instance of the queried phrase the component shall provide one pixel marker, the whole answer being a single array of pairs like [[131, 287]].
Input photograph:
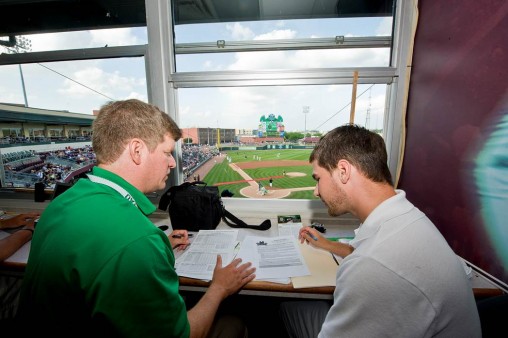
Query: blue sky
[[55, 85]]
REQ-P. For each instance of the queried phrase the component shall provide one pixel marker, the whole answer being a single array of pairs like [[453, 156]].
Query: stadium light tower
[[306, 110], [21, 45]]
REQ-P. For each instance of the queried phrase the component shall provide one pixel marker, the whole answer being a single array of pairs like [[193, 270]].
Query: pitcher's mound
[[253, 192]]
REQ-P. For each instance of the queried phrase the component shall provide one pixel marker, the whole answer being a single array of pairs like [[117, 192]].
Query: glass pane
[[74, 86], [259, 129], [283, 29], [331, 58], [287, 30], [85, 39], [34, 151]]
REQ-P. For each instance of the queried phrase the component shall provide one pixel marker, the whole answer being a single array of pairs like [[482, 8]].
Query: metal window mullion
[[73, 54], [285, 77], [222, 46]]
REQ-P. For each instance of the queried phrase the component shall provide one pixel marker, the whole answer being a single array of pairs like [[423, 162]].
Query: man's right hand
[[231, 278], [26, 219]]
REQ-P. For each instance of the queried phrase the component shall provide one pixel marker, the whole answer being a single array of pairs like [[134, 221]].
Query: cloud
[[277, 34], [96, 81], [85, 39], [321, 58], [240, 32], [114, 37], [385, 27]]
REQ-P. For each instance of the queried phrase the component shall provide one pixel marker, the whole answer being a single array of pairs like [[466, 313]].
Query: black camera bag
[[196, 206]]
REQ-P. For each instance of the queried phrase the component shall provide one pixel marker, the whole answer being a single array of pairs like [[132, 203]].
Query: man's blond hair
[[120, 121]]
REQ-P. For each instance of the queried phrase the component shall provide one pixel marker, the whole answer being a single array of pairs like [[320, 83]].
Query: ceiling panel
[[27, 17]]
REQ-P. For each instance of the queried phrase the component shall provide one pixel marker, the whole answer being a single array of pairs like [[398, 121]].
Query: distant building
[[310, 140], [260, 140], [208, 135], [245, 132], [17, 121]]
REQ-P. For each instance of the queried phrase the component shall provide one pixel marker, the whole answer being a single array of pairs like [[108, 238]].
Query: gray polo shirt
[[402, 280]]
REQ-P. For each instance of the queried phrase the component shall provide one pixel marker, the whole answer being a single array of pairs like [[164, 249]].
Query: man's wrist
[[29, 229]]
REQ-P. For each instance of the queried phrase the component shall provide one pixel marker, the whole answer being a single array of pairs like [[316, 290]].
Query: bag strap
[[235, 222], [185, 185], [227, 217]]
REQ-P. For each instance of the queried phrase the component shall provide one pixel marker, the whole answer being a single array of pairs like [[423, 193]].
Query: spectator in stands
[[98, 266]]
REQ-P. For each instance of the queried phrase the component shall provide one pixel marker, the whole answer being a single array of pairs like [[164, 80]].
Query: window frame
[[163, 81], [167, 81]]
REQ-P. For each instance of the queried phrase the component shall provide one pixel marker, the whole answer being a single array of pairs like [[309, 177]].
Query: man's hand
[[26, 219], [179, 239], [231, 278]]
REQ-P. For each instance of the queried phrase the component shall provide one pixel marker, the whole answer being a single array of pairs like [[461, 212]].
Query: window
[[220, 70], [50, 92], [231, 70]]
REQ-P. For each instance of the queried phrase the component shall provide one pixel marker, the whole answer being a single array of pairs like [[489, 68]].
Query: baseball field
[[247, 173]]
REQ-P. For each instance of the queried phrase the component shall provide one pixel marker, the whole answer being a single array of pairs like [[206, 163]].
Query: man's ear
[[136, 148], [343, 170]]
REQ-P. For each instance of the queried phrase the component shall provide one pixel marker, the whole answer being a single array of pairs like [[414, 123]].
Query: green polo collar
[[142, 202]]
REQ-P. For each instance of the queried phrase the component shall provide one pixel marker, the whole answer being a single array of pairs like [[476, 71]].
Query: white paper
[[322, 266], [276, 258], [289, 225], [198, 261]]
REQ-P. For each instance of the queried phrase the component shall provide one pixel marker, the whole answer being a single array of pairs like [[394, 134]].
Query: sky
[[83, 86]]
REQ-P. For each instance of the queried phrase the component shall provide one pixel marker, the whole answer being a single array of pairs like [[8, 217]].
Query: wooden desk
[[261, 288], [17, 263]]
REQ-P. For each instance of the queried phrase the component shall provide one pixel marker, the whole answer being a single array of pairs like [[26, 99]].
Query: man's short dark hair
[[363, 148]]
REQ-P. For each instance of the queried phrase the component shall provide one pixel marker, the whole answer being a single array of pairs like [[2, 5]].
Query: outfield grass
[[221, 172]]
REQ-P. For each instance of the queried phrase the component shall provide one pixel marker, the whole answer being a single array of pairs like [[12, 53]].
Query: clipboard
[[322, 267]]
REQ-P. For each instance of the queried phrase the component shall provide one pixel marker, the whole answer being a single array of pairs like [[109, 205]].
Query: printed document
[[198, 260], [274, 257]]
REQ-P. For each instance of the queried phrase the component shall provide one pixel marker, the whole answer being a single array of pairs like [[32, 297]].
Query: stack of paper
[[198, 261], [276, 258], [281, 259]]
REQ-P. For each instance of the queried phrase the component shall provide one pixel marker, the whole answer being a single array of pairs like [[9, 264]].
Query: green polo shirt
[[99, 267]]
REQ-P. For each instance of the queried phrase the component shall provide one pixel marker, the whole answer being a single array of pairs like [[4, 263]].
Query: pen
[[180, 236], [312, 236], [335, 259]]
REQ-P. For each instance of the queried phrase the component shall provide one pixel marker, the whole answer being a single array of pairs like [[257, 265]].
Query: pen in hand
[[312, 236]]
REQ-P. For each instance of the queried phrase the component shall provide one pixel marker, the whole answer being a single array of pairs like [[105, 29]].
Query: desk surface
[[481, 287]]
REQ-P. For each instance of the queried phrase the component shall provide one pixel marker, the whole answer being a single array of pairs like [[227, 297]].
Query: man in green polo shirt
[[98, 267]]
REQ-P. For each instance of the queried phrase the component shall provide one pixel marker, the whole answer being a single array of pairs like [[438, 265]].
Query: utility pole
[[367, 117], [218, 135]]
